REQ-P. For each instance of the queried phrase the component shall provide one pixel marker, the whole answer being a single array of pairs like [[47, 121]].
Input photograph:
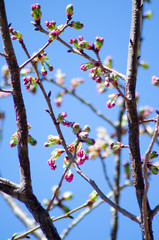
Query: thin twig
[[5, 90], [23, 216], [83, 101], [101, 194], [122, 76], [144, 167], [23, 235], [105, 173], [35, 55], [114, 85], [148, 120], [62, 178], [88, 210], [155, 211], [3, 55]]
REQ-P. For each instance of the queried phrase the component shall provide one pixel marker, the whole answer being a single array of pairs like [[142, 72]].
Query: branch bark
[[133, 122], [25, 193]]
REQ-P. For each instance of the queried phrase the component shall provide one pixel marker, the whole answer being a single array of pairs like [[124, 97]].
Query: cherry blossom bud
[[153, 169], [83, 67], [83, 135], [80, 38], [54, 139], [86, 128], [69, 10], [31, 140], [144, 64], [69, 176], [76, 128], [92, 198], [13, 142], [148, 14], [51, 68], [36, 13], [51, 163], [90, 141], [54, 34], [127, 169], [99, 43], [153, 155], [116, 146], [50, 25], [76, 25], [61, 117], [67, 195], [43, 71], [110, 104], [155, 81], [58, 101]]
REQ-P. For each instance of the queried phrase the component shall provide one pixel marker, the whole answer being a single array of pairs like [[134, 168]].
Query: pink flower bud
[[110, 104], [69, 176], [83, 67], [69, 10], [51, 163]]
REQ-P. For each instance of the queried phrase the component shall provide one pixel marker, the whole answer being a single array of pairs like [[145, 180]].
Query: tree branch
[[133, 122], [26, 194], [9, 187], [25, 219], [84, 102], [105, 198]]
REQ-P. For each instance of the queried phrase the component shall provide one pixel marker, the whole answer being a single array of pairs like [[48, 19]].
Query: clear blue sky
[[108, 19]]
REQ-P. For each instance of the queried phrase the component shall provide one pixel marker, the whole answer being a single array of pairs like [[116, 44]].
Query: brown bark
[[23, 192], [133, 123]]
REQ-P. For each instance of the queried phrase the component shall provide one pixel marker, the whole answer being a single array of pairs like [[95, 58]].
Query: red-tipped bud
[[69, 10], [76, 25]]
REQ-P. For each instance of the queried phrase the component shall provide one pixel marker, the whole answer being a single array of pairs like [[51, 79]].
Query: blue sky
[[108, 19]]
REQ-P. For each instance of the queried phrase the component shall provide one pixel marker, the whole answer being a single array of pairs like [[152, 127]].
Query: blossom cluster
[[153, 167], [36, 13], [16, 35], [43, 59], [101, 146], [81, 44], [30, 83], [81, 155], [14, 139]]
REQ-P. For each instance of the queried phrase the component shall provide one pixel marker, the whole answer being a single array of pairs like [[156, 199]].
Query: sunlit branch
[[87, 211], [101, 194], [35, 55], [144, 167], [5, 90], [23, 216], [3, 55]]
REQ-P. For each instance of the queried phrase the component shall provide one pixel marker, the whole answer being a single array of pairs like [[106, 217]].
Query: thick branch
[[9, 187], [23, 216], [133, 123], [26, 194], [18, 100]]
